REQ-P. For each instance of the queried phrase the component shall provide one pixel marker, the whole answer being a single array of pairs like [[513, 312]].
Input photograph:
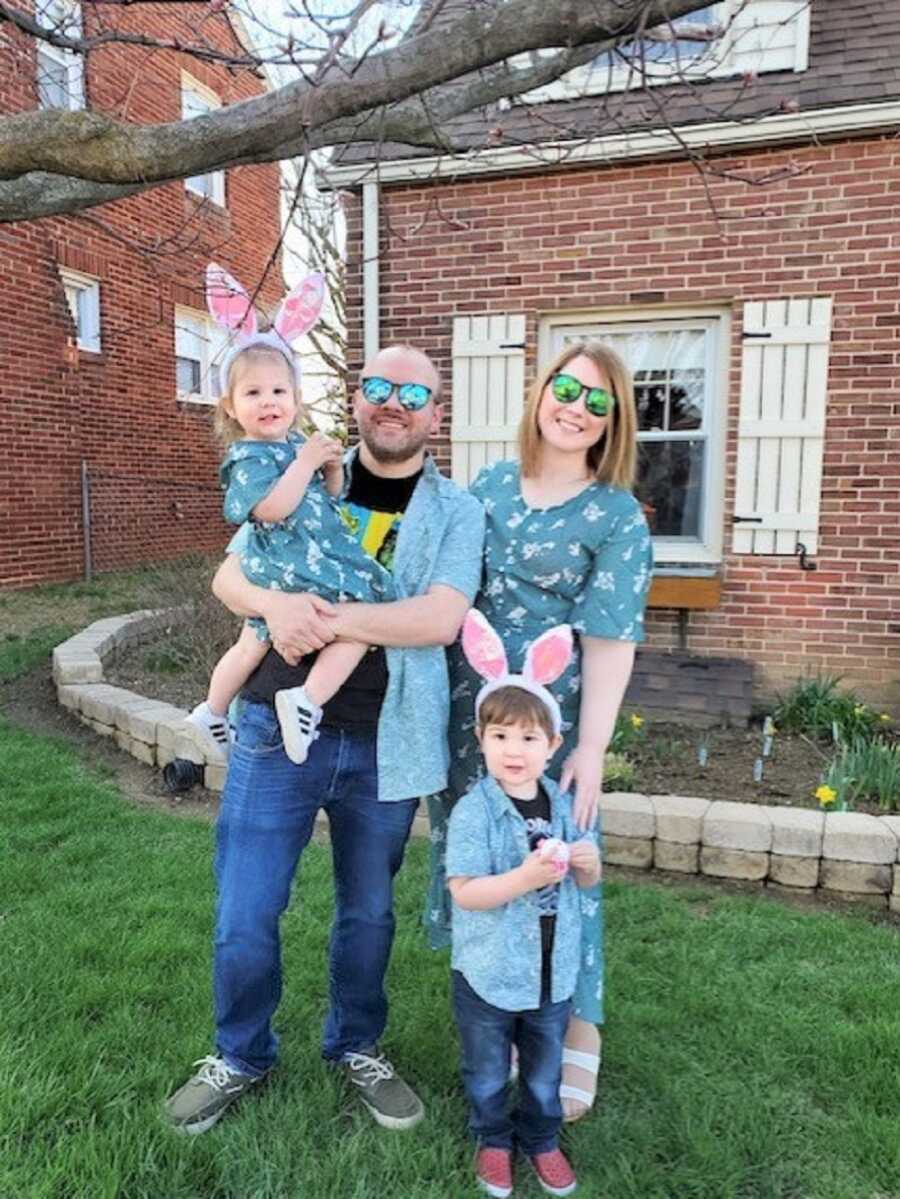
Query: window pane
[[670, 486], [201, 184], [648, 51], [72, 294], [52, 82], [669, 375], [187, 375]]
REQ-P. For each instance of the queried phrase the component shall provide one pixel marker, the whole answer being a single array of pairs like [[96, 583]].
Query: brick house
[[758, 304], [107, 356]]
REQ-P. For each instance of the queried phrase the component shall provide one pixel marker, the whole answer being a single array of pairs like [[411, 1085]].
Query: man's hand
[[298, 624], [584, 766]]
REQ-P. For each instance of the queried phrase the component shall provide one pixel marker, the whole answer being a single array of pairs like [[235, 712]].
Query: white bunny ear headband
[[545, 660], [229, 305]]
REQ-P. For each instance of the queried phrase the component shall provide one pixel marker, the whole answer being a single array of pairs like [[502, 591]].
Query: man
[[381, 745]]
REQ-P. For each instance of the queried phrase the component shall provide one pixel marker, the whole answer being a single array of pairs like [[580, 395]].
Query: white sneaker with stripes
[[299, 718], [215, 731]]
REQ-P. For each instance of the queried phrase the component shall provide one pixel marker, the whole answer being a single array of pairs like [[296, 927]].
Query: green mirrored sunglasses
[[568, 390]]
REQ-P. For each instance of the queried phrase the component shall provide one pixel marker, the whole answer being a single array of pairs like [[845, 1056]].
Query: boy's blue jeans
[[486, 1034], [265, 821]]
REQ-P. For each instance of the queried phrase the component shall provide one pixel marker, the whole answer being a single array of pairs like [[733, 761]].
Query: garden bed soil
[[666, 758], [668, 764]]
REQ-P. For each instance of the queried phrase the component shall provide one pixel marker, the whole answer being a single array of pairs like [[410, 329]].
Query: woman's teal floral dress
[[586, 562]]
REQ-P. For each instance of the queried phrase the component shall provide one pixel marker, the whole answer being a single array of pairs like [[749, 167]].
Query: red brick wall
[[603, 238], [154, 461]]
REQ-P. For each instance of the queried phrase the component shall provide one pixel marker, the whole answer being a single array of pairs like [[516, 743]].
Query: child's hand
[[584, 856], [539, 871], [320, 451]]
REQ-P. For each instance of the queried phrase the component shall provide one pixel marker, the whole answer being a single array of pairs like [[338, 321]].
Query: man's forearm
[[431, 619]]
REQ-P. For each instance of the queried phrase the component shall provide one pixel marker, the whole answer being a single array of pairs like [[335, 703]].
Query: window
[[196, 100], [199, 346], [679, 393], [59, 72], [83, 298], [757, 36]]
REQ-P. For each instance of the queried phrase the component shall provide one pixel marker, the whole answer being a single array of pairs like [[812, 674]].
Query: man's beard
[[393, 454]]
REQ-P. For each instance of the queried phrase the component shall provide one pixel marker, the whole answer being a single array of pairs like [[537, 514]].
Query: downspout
[[371, 329]]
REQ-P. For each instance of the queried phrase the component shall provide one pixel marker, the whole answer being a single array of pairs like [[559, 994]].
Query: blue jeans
[[266, 819], [486, 1034]]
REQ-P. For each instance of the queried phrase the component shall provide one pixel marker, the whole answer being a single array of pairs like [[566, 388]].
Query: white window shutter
[[784, 375], [488, 386]]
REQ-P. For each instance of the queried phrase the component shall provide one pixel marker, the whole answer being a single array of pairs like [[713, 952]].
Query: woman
[[566, 541]]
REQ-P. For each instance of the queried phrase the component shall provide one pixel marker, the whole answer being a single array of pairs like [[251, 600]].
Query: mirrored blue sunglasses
[[412, 396]]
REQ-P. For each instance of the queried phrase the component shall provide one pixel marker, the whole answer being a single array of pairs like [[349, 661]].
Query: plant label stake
[[702, 755], [758, 770], [767, 746]]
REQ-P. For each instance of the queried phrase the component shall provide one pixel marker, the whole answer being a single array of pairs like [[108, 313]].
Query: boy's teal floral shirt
[[499, 950]]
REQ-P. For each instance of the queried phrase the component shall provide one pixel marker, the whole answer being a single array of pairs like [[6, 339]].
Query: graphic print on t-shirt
[[375, 531], [538, 830]]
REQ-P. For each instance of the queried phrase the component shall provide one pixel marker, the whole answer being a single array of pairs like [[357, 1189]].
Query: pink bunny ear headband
[[229, 305], [545, 660]]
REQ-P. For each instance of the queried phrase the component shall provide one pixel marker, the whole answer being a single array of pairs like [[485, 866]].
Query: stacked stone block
[[847, 854], [151, 731]]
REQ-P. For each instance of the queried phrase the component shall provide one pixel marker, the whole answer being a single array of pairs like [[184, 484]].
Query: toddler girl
[[285, 486]]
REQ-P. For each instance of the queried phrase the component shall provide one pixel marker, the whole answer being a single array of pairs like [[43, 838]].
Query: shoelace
[[371, 1069], [215, 1072]]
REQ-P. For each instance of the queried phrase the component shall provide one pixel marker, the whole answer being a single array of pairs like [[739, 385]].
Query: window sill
[[194, 401], [695, 588]]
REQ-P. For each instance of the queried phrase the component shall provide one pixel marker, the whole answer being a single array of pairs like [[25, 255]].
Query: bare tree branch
[[55, 161]]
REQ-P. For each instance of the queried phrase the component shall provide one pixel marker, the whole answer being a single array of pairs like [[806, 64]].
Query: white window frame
[[743, 48], [671, 552], [195, 101], [199, 338], [83, 300], [69, 22]]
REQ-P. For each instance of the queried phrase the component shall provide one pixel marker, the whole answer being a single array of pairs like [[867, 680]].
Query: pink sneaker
[[493, 1170], [554, 1173]]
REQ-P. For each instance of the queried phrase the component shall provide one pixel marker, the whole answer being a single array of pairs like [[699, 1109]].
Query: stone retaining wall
[[796, 850]]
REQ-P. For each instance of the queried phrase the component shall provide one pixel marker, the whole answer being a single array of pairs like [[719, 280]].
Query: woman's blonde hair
[[612, 459], [226, 428]]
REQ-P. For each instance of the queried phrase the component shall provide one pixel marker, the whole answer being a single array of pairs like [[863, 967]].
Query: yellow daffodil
[[825, 795], [859, 710], [636, 721], [884, 716]]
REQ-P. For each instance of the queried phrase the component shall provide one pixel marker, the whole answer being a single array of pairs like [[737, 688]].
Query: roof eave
[[792, 127]]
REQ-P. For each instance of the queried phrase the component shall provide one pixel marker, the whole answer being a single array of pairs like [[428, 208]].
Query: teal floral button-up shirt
[[440, 541], [499, 950]]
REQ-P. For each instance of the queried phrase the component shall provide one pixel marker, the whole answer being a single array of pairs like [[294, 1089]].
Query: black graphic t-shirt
[[536, 814], [373, 509]]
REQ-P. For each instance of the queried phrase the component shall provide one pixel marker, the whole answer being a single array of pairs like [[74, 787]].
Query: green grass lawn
[[753, 1050]]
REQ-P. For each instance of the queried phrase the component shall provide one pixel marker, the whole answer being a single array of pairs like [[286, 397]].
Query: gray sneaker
[[391, 1101], [197, 1105]]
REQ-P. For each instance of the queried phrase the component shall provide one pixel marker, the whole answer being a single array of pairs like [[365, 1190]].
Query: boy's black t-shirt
[[536, 814], [373, 509]]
